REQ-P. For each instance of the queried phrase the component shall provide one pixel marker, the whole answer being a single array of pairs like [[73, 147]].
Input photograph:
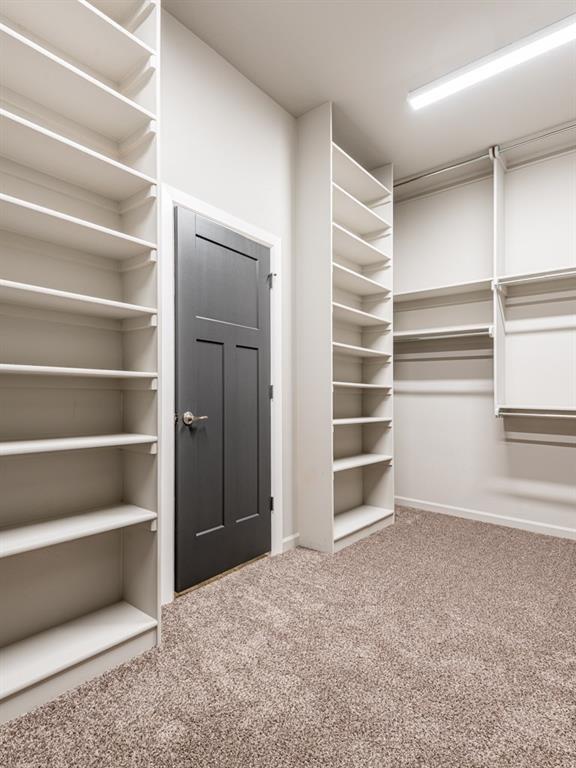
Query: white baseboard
[[290, 542], [490, 517]]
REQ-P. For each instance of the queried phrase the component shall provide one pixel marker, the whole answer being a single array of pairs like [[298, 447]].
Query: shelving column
[[79, 350]]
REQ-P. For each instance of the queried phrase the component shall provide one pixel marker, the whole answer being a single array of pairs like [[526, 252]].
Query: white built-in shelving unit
[[78, 341], [484, 325], [344, 315]]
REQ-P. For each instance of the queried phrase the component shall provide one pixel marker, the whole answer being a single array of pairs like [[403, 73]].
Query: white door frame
[[169, 199]]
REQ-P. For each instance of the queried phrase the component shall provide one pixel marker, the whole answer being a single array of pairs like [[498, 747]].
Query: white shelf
[[38, 657], [361, 460], [123, 10], [83, 33], [37, 74], [350, 350], [359, 385], [29, 144], [349, 280], [52, 445], [355, 179], [535, 411], [46, 533], [353, 248], [455, 331], [355, 316], [35, 221], [38, 297], [529, 279], [347, 523], [441, 291], [57, 370], [354, 215], [361, 420]]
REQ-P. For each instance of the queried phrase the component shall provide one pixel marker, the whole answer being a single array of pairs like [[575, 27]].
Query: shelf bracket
[[138, 262], [138, 78], [140, 198], [140, 324], [139, 16], [138, 138]]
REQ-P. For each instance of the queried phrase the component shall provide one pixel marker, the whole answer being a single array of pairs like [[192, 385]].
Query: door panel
[[222, 372]]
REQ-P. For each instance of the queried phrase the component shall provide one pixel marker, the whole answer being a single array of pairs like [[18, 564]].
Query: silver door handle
[[190, 420]]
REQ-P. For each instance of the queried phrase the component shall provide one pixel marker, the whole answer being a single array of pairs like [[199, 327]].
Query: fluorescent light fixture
[[523, 50]]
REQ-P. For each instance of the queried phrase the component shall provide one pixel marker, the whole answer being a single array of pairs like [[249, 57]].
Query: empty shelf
[[37, 74], [353, 248], [358, 518], [83, 33], [27, 143], [444, 333], [352, 351], [355, 179], [36, 296], [57, 370], [454, 289], [535, 411], [359, 385], [51, 445], [123, 10], [354, 282], [32, 220], [361, 460], [38, 657], [46, 533], [529, 279], [356, 316], [354, 215], [362, 420]]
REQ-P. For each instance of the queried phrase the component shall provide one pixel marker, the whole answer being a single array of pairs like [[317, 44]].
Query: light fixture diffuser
[[523, 50]]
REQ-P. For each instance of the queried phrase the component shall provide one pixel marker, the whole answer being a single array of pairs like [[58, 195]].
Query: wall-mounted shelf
[[353, 520], [354, 282], [37, 74], [536, 279], [442, 291], [450, 332], [82, 32], [30, 144], [361, 420], [38, 657], [352, 350], [361, 386], [537, 412], [354, 215], [52, 445], [41, 223], [36, 296], [90, 373], [353, 248], [346, 314], [355, 179], [46, 533], [123, 11], [361, 460]]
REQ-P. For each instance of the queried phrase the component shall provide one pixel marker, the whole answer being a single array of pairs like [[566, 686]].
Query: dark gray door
[[222, 373]]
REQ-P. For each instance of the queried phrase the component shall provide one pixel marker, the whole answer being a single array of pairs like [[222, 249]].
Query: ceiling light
[[523, 50]]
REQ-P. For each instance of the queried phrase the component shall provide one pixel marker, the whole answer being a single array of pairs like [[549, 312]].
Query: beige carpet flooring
[[437, 643]]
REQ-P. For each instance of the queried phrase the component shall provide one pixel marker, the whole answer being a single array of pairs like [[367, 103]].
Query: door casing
[[169, 199]]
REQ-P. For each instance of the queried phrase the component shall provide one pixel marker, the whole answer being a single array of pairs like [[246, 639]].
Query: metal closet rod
[[485, 155]]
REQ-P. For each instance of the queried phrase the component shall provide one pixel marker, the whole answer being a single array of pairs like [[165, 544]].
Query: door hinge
[[270, 278], [271, 391], [271, 503]]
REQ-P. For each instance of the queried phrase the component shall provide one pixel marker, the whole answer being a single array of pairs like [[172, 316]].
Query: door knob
[[190, 420]]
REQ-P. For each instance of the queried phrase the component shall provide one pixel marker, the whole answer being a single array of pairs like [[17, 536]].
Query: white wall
[[228, 144]]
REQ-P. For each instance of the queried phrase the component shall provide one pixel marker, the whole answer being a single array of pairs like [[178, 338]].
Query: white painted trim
[[489, 517], [290, 542], [169, 198]]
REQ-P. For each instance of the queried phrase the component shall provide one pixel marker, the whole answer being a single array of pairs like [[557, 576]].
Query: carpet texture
[[436, 643]]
